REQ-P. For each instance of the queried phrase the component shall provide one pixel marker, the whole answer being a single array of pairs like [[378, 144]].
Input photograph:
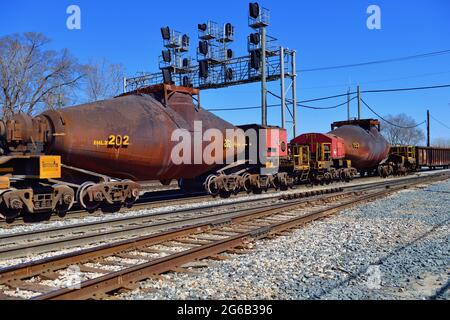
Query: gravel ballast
[[393, 248]]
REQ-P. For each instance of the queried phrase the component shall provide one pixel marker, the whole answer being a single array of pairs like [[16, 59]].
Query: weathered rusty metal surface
[[432, 157], [144, 126], [365, 147]]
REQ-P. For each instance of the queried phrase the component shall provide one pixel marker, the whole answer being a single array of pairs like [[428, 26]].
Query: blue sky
[[324, 33]]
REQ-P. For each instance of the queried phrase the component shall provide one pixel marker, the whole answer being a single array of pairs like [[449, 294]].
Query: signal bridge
[[216, 67]]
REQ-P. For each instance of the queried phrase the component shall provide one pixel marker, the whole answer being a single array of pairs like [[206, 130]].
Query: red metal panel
[[311, 139], [432, 157], [276, 142], [338, 148], [283, 150]]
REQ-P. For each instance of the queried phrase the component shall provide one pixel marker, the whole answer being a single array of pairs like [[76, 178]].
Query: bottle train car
[[97, 153]]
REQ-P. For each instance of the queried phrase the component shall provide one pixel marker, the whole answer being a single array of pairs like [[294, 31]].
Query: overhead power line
[[312, 107], [387, 121], [417, 56], [438, 121], [326, 108], [243, 108], [300, 103], [346, 85], [326, 98], [377, 91], [407, 89]]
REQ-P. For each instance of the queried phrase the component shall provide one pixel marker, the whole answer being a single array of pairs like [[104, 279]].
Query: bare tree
[[441, 143], [401, 129], [103, 80], [31, 77]]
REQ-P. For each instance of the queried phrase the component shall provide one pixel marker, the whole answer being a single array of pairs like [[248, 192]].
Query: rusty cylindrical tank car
[[364, 145], [129, 137], [103, 147]]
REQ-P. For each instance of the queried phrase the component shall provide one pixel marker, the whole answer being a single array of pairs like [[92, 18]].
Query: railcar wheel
[[247, 184], [9, 214], [131, 200], [342, 175], [83, 198], [382, 172], [327, 177], [211, 185], [66, 201]]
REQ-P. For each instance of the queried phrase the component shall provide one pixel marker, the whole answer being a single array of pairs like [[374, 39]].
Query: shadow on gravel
[[436, 191], [364, 270], [439, 293]]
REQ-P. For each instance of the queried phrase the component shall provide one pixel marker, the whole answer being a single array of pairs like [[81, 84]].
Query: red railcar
[[432, 157], [364, 144], [315, 140]]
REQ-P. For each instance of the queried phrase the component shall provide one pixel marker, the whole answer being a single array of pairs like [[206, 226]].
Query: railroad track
[[120, 266], [29, 243], [149, 200], [32, 243]]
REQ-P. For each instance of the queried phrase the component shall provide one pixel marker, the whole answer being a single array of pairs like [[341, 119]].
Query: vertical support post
[[262, 31], [294, 95], [124, 84], [428, 128], [283, 97], [348, 104], [359, 103]]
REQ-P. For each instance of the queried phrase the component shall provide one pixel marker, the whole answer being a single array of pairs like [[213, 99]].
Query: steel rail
[[94, 232], [146, 201], [124, 277], [128, 226], [127, 277], [95, 237], [32, 268]]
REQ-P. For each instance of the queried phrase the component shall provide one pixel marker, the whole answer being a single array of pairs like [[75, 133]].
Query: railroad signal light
[[229, 30], [254, 38], [165, 33], [167, 76], [203, 69], [185, 40], [186, 81], [255, 59], [185, 63], [229, 74], [254, 10], [202, 26], [230, 54], [166, 56], [203, 47]]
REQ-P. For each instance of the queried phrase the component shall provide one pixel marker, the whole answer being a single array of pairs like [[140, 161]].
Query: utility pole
[[283, 97], [428, 128], [359, 103], [262, 31], [294, 95], [348, 104]]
